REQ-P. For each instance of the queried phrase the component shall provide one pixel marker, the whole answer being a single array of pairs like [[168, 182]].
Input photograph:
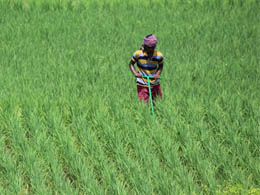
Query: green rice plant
[[237, 189], [70, 120], [11, 180]]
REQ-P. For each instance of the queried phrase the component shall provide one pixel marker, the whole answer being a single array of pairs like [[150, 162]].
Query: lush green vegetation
[[70, 120]]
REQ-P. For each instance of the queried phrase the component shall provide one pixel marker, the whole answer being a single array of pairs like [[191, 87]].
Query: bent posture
[[149, 63]]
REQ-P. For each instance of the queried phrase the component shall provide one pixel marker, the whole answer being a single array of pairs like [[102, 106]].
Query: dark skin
[[149, 51]]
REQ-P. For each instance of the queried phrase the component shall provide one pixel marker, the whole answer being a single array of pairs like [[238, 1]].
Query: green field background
[[70, 120]]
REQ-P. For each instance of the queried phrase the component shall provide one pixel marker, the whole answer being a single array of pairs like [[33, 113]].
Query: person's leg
[[143, 93], [156, 90]]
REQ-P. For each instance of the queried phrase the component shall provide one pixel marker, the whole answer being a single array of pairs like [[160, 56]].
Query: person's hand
[[156, 76], [138, 75]]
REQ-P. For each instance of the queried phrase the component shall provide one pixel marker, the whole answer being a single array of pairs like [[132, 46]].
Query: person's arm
[[132, 68], [157, 75]]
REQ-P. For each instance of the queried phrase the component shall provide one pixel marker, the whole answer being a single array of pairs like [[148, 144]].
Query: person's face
[[149, 50]]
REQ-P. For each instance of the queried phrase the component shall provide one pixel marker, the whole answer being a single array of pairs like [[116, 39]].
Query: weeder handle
[[150, 77]]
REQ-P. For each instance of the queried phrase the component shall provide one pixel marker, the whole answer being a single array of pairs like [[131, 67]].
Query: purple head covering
[[150, 40]]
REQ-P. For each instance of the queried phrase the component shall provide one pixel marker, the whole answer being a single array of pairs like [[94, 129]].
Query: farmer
[[149, 63]]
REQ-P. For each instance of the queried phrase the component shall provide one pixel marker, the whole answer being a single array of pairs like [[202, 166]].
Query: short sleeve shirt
[[147, 66]]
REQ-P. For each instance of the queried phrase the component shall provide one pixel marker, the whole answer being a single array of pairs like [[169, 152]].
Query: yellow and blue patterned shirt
[[147, 66]]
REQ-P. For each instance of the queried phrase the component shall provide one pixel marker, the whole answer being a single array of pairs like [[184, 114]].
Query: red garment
[[143, 92]]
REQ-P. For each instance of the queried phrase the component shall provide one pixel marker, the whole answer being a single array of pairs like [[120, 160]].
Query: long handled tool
[[150, 93]]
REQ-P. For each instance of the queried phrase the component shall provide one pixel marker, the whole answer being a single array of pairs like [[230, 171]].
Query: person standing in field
[[149, 63]]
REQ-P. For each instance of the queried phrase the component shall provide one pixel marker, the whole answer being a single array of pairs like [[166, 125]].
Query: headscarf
[[150, 40]]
